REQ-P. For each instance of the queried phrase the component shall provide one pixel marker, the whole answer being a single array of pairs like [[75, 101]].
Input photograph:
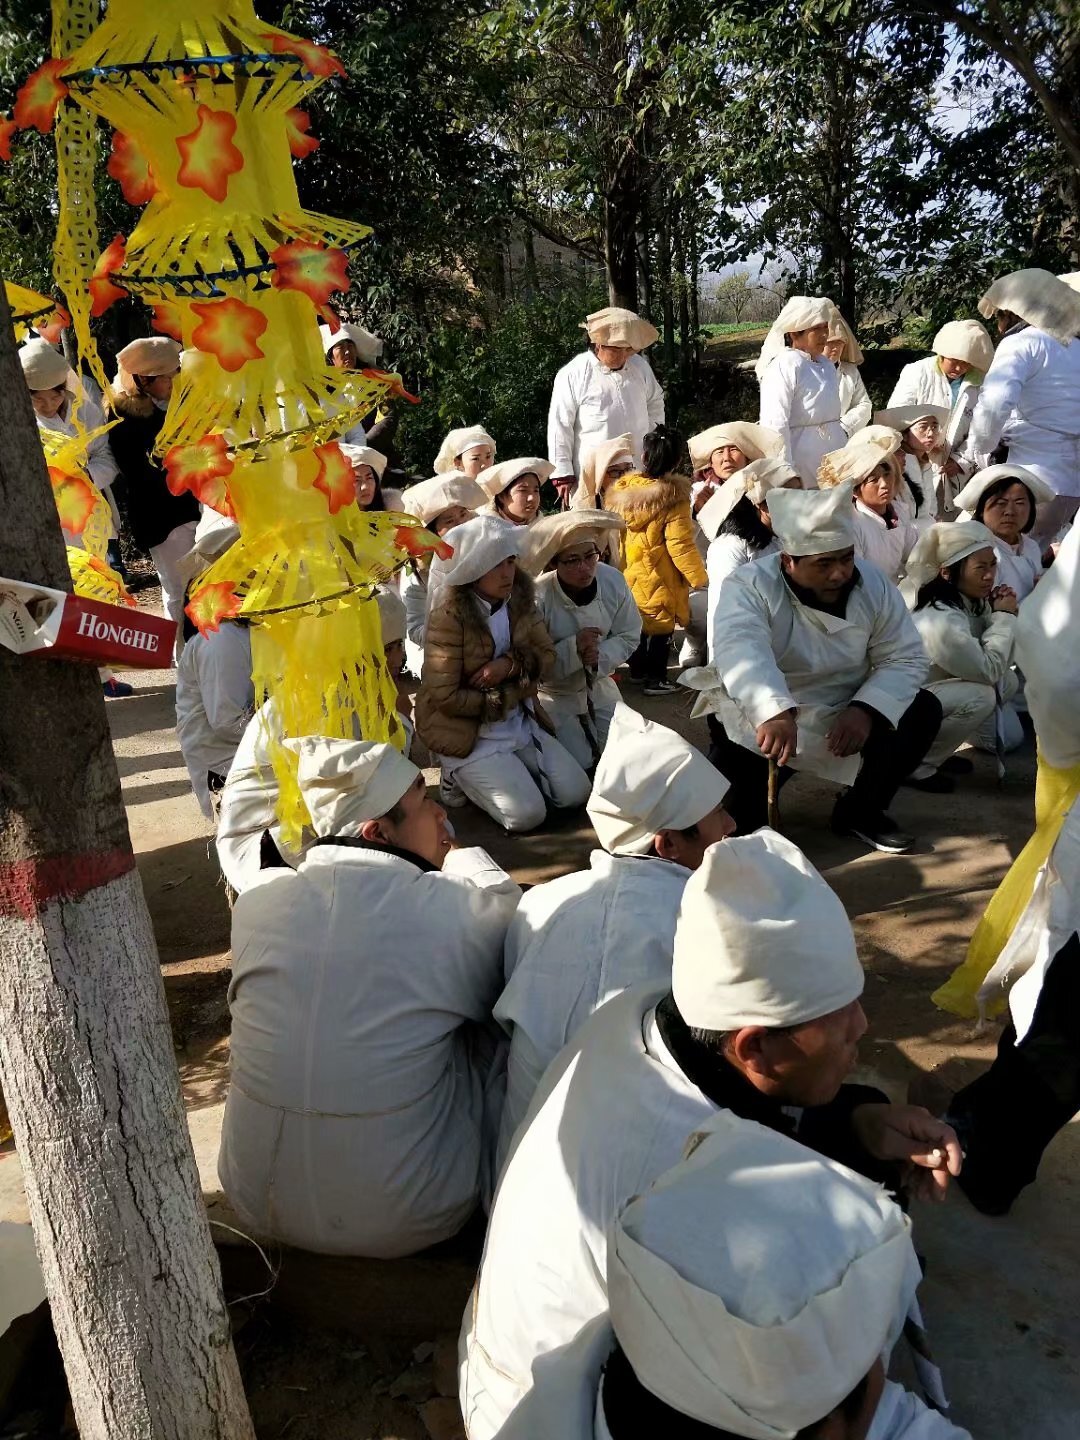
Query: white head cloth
[[852, 464], [153, 355], [753, 482], [885, 437], [761, 939], [345, 782], [757, 442], [839, 329], [551, 534], [753, 1285], [430, 498], [1039, 298], [812, 522], [902, 417], [649, 779], [479, 545], [458, 443], [965, 340], [497, 478], [1072, 280], [363, 455], [368, 346], [801, 312], [213, 536], [44, 367], [595, 463], [391, 616], [969, 497], [612, 326], [943, 545]]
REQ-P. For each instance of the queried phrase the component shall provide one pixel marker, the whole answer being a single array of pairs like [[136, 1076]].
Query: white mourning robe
[[575, 943], [726, 554], [215, 699], [856, 408], [355, 1121], [885, 548], [800, 399], [590, 404], [779, 654]]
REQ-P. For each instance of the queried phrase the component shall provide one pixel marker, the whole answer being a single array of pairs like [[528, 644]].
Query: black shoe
[[879, 831], [957, 765], [935, 784]]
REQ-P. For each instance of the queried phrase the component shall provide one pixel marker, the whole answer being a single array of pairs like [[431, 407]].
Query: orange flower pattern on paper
[[202, 468], [130, 168], [229, 330], [41, 93], [396, 388], [103, 290], [75, 499], [297, 125], [7, 130], [50, 329], [416, 541], [335, 477], [314, 270], [166, 319], [108, 574], [211, 605], [316, 59], [207, 153]]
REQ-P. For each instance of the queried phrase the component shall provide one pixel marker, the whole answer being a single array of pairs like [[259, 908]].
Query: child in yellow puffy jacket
[[661, 561]]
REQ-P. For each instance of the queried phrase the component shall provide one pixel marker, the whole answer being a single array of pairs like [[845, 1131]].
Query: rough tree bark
[[86, 1058]]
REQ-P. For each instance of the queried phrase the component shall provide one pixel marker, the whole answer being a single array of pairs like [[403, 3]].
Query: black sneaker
[[879, 831], [659, 687], [935, 784]]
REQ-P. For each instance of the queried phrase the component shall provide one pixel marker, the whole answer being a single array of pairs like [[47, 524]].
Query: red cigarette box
[[36, 620]]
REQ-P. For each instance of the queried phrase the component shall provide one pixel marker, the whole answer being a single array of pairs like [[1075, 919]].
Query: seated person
[[779, 1331], [369, 467], [932, 475], [590, 615], [883, 532], [723, 450], [577, 941], [738, 527], [967, 624], [392, 624], [466, 452], [763, 1020], [357, 1121], [820, 669], [1004, 498], [486, 650], [215, 698], [601, 466], [513, 489], [441, 503], [351, 347]]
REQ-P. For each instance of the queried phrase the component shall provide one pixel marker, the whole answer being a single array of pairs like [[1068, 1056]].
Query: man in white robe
[[1030, 399], [820, 669], [578, 941], [606, 391], [778, 1330], [357, 1120], [763, 1020]]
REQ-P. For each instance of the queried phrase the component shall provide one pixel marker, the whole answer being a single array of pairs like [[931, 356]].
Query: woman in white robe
[[932, 478], [884, 534], [967, 624], [800, 389], [446, 500], [593, 620], [951, 378], [1004, 499], [846, 354]]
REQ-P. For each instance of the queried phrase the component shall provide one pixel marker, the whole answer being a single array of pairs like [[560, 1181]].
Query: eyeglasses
[[586, 558]]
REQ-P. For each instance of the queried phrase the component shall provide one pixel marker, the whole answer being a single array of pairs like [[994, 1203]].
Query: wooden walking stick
[[774, 794]]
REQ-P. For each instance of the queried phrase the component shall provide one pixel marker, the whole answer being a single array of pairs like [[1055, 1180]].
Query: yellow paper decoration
[[93, 579], [34, 314]]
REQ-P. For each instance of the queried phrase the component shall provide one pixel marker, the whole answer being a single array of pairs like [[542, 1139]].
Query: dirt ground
[[1004, 1289]]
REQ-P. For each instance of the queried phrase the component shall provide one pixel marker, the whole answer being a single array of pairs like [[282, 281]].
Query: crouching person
[[363, 981], [486, 649]]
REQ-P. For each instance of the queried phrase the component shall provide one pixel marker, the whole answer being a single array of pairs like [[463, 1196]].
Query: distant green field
[[734, 329]]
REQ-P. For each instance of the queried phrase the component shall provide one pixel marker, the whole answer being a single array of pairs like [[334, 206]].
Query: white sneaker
[[451, 795]]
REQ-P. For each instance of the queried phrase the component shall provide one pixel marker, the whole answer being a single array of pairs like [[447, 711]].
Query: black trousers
[[650, 660], [1007, 1117], [888, 756]]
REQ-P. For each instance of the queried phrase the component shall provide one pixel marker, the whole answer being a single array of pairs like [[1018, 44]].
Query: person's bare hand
[[850, 732], [778, 738], [952, 469], [927, 1147], [588, 646], [1003, 597], [564, 485], [491, 674]]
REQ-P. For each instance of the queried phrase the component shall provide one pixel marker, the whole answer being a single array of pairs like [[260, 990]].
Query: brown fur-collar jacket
[[457, 641]]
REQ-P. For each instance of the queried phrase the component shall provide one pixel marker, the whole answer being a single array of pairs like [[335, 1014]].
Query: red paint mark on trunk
[[27, 886]]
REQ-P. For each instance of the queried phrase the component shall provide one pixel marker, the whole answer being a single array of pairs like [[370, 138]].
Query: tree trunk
[[663, 280], [685, 338], [695, 301], [86, 1058], [620, 251]]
